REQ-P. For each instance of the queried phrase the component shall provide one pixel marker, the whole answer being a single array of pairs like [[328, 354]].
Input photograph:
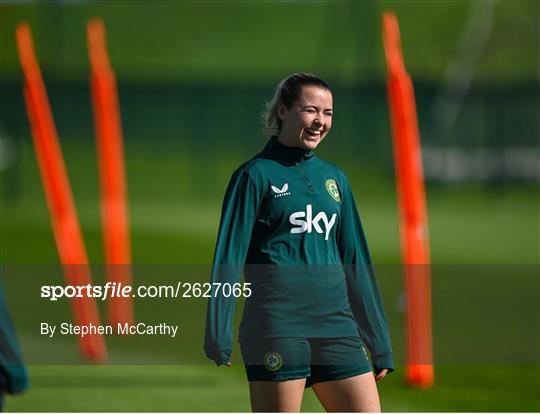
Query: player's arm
[[13, 373], [363, 292], [239, 210]]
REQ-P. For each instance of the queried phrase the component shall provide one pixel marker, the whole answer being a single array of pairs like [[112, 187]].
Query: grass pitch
[[488, 318]]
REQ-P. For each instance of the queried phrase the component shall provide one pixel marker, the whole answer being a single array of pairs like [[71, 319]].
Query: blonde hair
[[287, 92]]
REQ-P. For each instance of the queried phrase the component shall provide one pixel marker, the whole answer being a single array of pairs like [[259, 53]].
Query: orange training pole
[[109, 140], [64, 219], [413, 211]]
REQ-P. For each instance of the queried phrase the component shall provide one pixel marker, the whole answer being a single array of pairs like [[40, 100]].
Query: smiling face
[[308, 120]]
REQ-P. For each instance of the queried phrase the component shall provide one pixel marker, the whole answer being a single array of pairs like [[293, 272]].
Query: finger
[[381, 375]]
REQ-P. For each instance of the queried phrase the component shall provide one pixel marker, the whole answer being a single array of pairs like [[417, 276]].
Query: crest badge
[[332, 189], [272, 361]]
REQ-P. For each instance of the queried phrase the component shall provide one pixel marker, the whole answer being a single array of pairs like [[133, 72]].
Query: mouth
[[312, 135]]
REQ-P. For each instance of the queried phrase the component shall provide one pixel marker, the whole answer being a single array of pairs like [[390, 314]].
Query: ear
[[281, 110]]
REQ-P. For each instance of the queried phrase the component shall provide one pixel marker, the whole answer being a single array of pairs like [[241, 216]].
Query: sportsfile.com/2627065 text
[[119, 290]]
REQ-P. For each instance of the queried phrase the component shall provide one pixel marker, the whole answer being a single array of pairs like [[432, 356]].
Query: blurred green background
[[193, 78]]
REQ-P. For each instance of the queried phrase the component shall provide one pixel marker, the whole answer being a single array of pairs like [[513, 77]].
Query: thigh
[[276, 396], [353, 394], [276, 369]]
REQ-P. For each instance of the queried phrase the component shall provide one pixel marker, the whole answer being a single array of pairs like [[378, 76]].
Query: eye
[[310, 110], [328, 113]]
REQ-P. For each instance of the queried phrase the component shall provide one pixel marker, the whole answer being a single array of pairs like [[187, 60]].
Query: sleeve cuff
[[17, 379], [383, 361], [219, 356]]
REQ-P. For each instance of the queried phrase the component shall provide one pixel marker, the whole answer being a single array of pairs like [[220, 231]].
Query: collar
[[276, 148]]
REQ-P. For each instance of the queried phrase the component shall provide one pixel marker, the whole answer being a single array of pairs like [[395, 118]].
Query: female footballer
[[290, 223]]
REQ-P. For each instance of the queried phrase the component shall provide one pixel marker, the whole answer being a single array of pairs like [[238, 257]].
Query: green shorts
[[317, 359]]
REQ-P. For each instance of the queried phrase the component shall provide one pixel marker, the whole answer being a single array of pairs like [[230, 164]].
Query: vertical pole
[[412, 207], [65, 222], [110, 149]]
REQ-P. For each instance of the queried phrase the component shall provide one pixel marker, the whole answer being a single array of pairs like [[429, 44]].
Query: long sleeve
[[238, 214], [363, 292], [13, 375]]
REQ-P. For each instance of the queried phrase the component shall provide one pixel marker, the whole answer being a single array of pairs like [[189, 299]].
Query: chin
[[310, 145]]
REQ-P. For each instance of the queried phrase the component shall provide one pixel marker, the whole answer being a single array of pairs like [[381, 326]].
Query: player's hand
[[382, 373], [225, 364]]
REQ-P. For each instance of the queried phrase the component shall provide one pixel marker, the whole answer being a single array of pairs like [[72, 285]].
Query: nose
[[319, 119]]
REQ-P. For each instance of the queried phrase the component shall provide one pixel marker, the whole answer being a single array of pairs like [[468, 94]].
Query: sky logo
[[311, 223]]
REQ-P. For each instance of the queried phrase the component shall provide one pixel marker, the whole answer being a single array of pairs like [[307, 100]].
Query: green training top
[[289, 222], [13, 374]]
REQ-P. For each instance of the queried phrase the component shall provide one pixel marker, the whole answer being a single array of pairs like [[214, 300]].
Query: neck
[[284, 140], [288, 142], [283, 152]]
